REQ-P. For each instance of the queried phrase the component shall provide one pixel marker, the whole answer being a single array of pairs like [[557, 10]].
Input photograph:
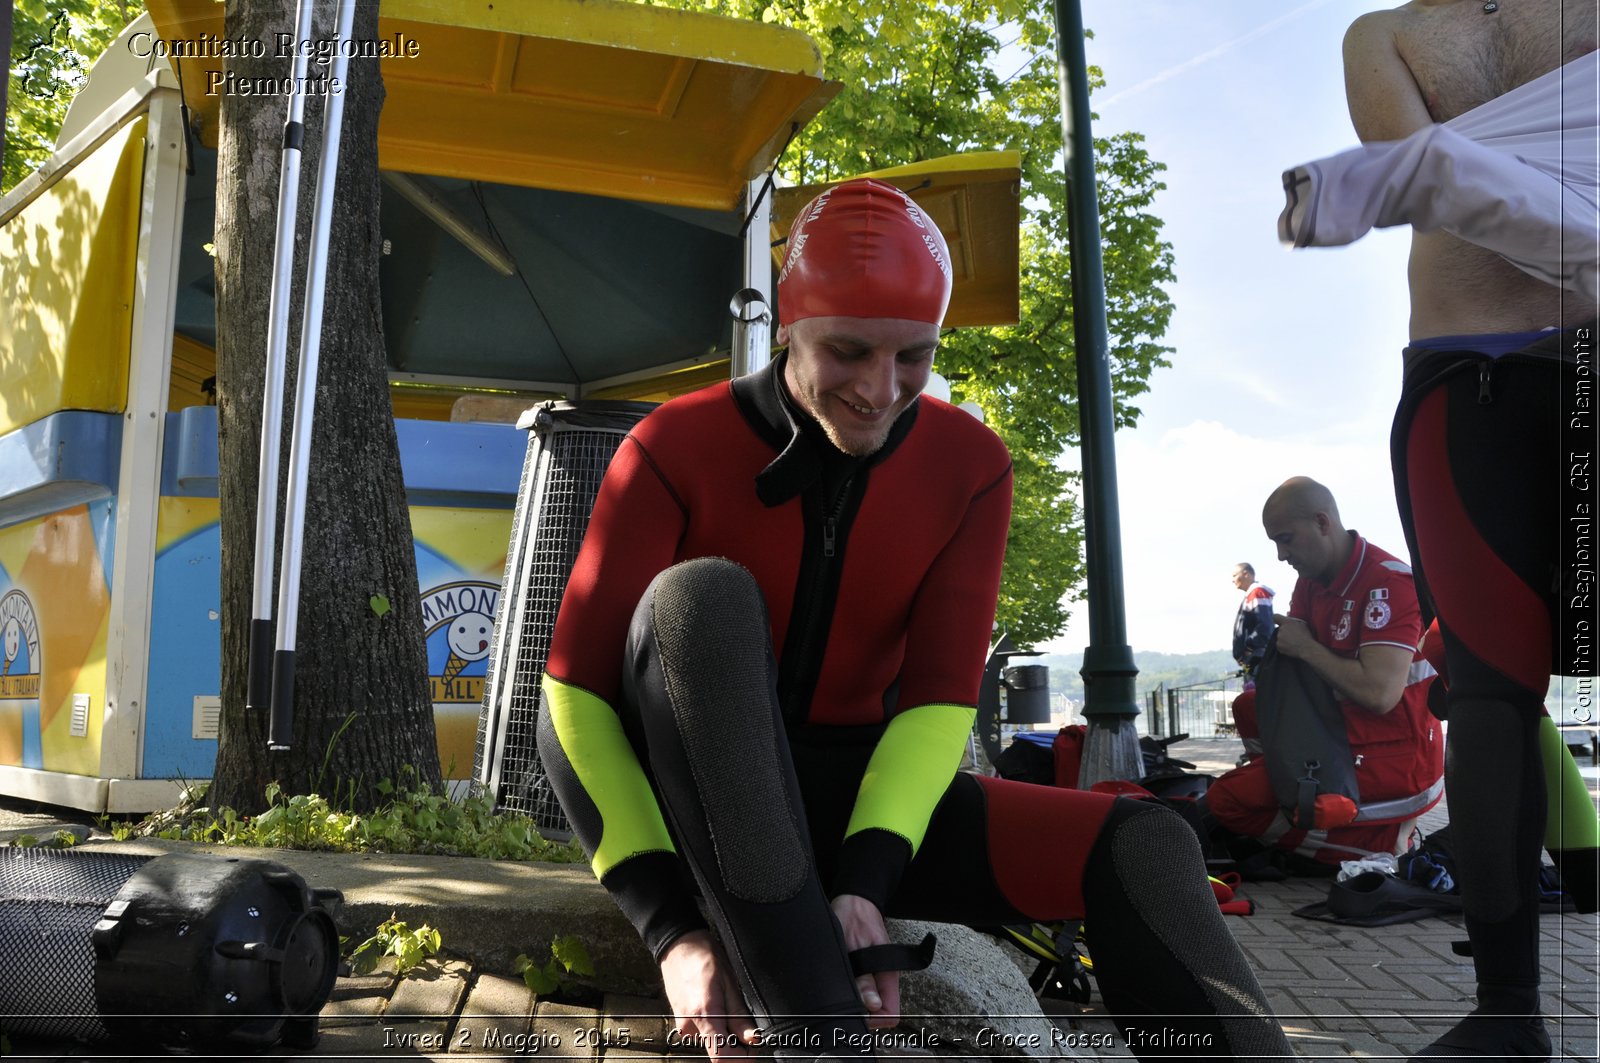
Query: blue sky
[[1286, 363]]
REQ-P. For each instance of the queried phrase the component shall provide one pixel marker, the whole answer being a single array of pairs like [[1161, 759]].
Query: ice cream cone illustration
[[13, 645], [468, 641]]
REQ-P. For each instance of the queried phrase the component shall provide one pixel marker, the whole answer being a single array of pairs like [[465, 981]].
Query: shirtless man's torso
[[1429, 61]]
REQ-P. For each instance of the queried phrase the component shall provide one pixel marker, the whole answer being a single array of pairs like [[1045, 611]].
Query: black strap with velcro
[[875, 959]]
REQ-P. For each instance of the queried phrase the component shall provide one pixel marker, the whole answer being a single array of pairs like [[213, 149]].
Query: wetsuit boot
[[1506, 1023], [1494, 780]]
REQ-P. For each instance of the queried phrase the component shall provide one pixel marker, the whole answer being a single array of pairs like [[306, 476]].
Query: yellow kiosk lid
[[595, 96]]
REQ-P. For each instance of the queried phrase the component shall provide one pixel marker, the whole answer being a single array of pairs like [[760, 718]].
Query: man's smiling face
[[856, 375]]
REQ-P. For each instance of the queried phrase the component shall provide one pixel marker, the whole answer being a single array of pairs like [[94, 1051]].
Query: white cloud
[[1190, 503]]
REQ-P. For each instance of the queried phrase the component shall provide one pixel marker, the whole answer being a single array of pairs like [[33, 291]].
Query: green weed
[[410, 948], [568, 957]]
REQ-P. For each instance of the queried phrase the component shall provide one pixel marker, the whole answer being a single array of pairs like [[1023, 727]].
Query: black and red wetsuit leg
[[1481, 491], [999, 852], [1167, 966]]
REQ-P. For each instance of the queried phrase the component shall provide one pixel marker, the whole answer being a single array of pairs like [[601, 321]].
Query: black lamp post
[[1111, 746]]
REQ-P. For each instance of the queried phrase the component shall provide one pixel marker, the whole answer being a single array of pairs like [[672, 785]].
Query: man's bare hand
[[706, 1001], [1294, 637], [863, 926]]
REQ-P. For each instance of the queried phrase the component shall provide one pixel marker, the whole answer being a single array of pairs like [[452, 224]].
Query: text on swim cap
[[913, 211], [794, 255], [816, 208]]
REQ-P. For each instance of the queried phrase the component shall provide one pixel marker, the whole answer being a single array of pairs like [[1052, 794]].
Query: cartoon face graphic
[[469, 636], [13, 640]]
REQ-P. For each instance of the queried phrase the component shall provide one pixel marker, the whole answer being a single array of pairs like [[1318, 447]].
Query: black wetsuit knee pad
[[701, 651], [701, 684]]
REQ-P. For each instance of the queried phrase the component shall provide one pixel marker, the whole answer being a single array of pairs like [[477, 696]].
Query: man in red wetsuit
[[766, 666], [1354, 619]]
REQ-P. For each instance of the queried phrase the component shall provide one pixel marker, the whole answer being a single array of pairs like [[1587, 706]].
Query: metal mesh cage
[[50, 900], [569, 448]]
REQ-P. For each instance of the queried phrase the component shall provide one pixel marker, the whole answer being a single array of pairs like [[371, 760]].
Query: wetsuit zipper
[[831, 525], [1484, 395], [807, 641]]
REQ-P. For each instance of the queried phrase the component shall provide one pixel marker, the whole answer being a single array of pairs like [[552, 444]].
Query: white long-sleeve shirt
[[1519, 175]]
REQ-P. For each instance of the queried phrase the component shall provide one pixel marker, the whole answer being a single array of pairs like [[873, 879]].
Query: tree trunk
[[362, 710]]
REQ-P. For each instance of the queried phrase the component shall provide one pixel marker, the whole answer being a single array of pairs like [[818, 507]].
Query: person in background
[[1355, 622], [1252, 631], [1252, 624]]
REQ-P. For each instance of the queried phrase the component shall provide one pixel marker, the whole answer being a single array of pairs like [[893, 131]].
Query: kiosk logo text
[[458, 621], [19, 641]]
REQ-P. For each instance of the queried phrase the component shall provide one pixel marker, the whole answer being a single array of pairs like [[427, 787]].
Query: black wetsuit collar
[[805, 455]]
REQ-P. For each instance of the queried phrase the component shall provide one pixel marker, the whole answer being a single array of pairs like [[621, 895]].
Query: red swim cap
[[864, 249]]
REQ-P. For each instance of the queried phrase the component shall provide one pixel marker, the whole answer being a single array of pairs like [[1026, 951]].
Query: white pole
[[752, 306], [260, 671], [281, 727]]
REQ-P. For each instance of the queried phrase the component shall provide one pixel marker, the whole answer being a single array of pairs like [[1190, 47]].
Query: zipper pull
[[827, 538], [1484, 397]]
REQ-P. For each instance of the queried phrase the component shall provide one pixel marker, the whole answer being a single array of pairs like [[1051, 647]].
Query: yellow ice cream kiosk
[[567, 189]]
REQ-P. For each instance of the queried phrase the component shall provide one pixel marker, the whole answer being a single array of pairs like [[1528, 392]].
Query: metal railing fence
[[1201, 710]]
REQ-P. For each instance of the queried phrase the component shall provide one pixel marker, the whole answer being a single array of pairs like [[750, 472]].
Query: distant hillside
[[1173, 669]]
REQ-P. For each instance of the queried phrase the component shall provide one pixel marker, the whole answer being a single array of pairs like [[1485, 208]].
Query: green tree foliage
[[53, 44], [925, 78]]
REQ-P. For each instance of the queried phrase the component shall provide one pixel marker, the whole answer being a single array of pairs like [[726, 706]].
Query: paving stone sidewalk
[[1342, 992]]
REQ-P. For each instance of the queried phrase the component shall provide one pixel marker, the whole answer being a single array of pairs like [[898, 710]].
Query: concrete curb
[[489, 911], [486, 910]]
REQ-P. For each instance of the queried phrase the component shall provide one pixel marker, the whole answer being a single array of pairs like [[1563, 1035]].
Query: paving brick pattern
[[1342, 992]]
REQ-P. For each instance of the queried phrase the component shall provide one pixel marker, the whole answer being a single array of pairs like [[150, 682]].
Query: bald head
[[1301, 517], [1301, 497]]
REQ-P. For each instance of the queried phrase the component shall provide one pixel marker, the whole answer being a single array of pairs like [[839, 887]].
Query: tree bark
[[362, 709]]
